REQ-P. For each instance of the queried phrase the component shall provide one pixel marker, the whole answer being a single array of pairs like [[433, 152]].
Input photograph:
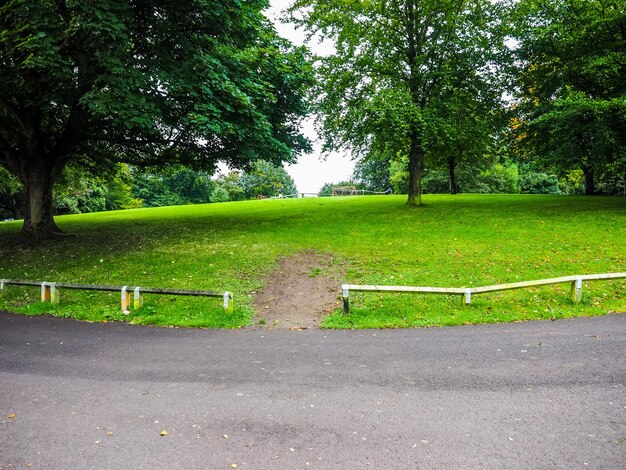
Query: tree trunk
[[454, 189], [38, 178], [590, 187], [416, 170]]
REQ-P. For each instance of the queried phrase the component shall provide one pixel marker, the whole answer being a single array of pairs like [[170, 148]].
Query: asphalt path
[[535, 395]]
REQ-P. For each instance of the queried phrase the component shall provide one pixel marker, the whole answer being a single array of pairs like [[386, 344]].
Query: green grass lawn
[[453, 241]]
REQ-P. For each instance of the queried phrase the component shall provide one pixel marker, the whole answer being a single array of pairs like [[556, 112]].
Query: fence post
[[45, 291], [55, 294], [228, 301], [137, 298], [467, 297], [346, 301], [125, 300], [2, 286], [577, 290]]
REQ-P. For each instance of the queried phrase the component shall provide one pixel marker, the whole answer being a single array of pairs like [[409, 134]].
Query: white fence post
[[55, 294], [467, 297], [137, 298], [228, 301], [577, 290]]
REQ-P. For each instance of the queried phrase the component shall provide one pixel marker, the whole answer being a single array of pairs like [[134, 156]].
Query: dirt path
[[298, 294]]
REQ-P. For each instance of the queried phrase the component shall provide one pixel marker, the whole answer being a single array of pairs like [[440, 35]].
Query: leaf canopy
[[192, 81]]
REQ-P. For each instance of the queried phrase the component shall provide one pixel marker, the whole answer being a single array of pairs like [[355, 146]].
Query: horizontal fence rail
[[466, 292], [50, 292]]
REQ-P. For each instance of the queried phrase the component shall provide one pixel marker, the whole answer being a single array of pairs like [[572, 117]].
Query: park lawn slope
[[453, 241]]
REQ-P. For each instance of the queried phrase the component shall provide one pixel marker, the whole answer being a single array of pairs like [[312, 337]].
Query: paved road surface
[[537, 395]]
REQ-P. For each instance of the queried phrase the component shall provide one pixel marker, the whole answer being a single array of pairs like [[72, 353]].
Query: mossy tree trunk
[[38, 172]]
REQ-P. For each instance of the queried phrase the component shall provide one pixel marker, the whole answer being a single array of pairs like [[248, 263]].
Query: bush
[[612, 183], [219, 194], [231, 183], [436, 182], [539, 183], [501, 178], [573, 182]]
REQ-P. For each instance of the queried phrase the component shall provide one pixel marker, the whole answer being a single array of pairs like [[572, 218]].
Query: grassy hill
[[452, 241]]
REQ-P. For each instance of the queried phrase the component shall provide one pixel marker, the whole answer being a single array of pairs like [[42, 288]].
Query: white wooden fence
[[466, 292]]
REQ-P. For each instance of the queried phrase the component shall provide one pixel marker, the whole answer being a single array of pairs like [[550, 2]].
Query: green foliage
[[497, 179], [174, 186], [82, 188], [219, 194], [436, 182], [399, 178], [573, 182], [78, 191], [231, 182], [501, 178], [11, 195], [612, 182], [539, 183], [373, 172], [158, 73], [572, 57], [119, 194], [462, 240], [504, 178], [268, 180]]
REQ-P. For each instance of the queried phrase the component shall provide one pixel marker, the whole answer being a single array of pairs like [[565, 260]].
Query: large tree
[[396, 64], [572, 76], [146, 82]]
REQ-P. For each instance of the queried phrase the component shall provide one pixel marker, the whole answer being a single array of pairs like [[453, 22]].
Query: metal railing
[[50, 292]]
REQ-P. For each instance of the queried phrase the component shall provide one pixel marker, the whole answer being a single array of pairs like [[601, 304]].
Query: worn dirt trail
[[303, 288]]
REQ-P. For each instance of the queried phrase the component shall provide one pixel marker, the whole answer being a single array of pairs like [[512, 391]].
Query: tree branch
[[14, 111], [573, 71]]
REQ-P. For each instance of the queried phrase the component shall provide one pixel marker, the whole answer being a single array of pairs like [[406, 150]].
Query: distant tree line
[[496, 175], [80, 190]]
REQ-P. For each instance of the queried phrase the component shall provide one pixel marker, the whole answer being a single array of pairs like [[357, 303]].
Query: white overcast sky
[[310, 172]]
